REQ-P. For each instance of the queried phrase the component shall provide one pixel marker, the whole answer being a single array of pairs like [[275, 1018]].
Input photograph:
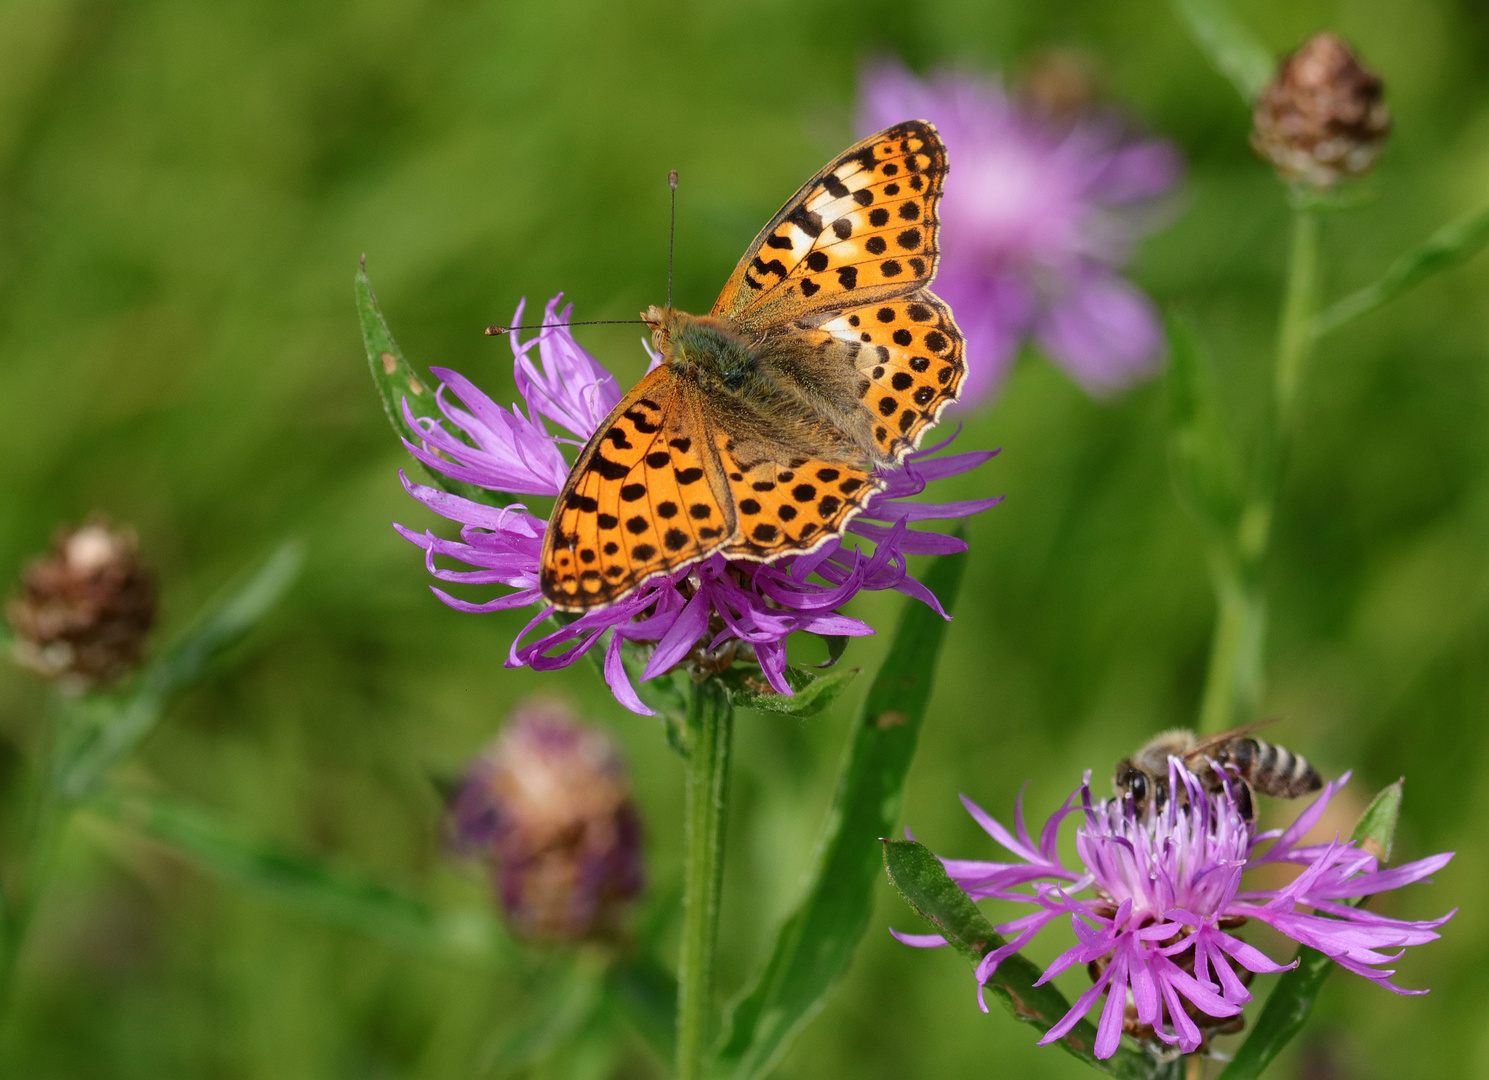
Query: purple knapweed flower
[[549, 805], [714, 608], [1037, 217], [1166, 894]]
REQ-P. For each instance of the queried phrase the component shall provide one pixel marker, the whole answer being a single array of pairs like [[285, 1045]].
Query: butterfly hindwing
[[643, 498], [909, 355], [788, 504], [864, 228]]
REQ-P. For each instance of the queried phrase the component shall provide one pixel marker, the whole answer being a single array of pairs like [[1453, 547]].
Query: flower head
[[708, 612], [550, 805], [1157, 930], [1323, 116], [1039, 213], [83, 611]]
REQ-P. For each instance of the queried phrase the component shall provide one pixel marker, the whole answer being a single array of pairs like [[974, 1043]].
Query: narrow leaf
[[815, 944], [100, 735], [1291, 1000], [812, 695], [1202, 459], [922, 881], [1443, 250], [300, 883], [397, 383], [1231, 48]]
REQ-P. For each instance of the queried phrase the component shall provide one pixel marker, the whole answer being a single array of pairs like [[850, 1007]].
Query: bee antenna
[[671, 233]]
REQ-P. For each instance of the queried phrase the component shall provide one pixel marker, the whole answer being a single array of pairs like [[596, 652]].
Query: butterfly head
[[664, 322]]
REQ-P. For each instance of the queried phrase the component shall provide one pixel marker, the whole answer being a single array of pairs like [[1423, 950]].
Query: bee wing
[[1203, 746]]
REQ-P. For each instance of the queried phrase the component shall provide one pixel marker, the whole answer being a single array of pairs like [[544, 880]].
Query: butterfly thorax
[[704, 348]]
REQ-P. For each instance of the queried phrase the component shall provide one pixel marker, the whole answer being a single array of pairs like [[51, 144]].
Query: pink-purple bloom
[[1166, 893], [1037, 218], [706, 607], [549, 806]]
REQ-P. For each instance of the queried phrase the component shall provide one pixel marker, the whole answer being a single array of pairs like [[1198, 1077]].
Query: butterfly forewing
[[908, 353], [644, 498], [862, 229]]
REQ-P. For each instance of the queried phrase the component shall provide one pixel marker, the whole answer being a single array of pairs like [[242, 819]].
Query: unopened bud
[[1060, 84], [83, 611], [1323, 116], [549, 804]]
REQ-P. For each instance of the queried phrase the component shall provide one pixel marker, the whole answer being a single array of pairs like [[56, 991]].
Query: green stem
[[710, 732], [1233, 684]]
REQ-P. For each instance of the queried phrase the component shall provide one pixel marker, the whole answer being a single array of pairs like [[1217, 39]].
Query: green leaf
[[1202, 459], [815, 944], [1231, 48], [812, 694], [922, 881], [300, 883], [397, 383], [1292, 998], [1443, 250], [98, 733]]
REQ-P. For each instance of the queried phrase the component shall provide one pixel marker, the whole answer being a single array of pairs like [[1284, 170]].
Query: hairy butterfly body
[[825, 358]]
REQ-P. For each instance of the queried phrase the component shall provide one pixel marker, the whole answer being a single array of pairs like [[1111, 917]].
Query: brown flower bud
[[1322, 116], [1059, 84], [83, 611], [549, 804]]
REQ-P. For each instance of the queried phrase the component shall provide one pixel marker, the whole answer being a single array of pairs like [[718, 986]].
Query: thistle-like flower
[[549, 805], [1323, 116], [1157, 932], [83, 611], [1040, 213], [707, 613]]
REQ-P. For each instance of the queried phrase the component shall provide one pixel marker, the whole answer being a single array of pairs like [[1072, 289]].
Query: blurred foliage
[[185, 191]]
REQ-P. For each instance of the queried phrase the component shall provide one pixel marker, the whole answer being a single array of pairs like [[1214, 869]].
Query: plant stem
[[710, 732], [1233, 683]]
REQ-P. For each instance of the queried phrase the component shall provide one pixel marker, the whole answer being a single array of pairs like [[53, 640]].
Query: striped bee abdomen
[[1270, 769]]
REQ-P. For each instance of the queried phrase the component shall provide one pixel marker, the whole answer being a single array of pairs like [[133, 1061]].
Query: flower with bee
[[1157, 928]]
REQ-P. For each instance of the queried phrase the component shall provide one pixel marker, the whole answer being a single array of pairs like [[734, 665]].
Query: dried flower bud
[[1323, 116], [550, 805], [83, 611], [1058, 84]]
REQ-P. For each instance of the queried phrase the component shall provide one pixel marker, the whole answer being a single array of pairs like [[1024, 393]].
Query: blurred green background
[[185, 190]]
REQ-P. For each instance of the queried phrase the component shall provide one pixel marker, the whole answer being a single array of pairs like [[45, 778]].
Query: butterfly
[[825, 359]]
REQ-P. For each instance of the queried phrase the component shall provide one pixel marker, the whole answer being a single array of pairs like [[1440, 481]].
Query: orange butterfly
[[825, 357]]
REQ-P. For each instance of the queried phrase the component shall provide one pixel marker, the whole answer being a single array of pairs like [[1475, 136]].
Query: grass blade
[[1443, 250], [922, 881], [101, 736], [300, 883], [815, 944], [1292, 998], [1231, 48]]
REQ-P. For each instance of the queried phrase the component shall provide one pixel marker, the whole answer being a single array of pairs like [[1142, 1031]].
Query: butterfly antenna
[[671, 234], [498, 331]]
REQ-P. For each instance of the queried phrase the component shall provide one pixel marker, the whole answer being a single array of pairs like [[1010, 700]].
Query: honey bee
[[1253, 765]]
